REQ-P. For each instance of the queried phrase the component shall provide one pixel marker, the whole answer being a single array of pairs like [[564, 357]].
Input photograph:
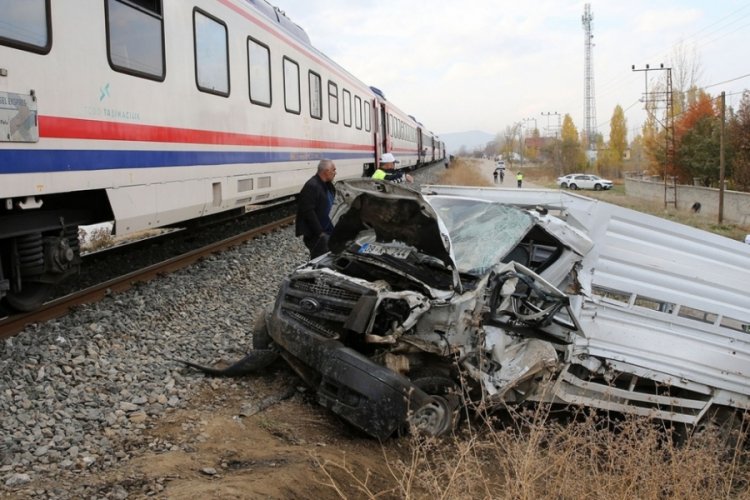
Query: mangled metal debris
[[526, 295]]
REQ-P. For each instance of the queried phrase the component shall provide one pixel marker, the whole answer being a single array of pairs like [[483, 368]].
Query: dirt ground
[[292, 448]]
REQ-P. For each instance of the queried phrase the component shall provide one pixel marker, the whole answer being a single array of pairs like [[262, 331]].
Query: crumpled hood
[[394, 212]]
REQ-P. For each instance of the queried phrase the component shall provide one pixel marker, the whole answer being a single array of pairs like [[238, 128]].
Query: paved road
[[488, 166]]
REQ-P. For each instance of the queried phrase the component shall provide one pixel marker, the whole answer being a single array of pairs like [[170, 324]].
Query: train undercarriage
[[39, 245]]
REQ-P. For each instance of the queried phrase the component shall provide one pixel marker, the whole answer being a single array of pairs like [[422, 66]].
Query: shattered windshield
[[482, 233]]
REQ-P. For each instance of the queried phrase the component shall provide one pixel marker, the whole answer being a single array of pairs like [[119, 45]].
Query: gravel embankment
[[77, 393], [73, 390]]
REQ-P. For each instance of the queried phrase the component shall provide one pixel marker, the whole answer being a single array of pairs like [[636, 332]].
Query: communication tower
[[589, 102]]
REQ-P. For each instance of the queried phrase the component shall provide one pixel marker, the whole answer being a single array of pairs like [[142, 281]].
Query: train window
[[259, 72], [291, 86], [358, 112], [316, 98], [211, 54], [135, 38], [333, 102], [26, 25], [367, 116], [346, 96]]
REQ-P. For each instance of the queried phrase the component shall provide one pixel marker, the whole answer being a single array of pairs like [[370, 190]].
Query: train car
[[403, 134], [150, 113], [429, 146], [441, 151], [398, 132], [424, 143]]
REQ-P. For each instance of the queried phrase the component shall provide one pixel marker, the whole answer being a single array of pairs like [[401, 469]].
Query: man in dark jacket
[[314, 204]]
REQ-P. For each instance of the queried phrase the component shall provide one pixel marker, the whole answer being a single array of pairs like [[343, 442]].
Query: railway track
[[12, 325]]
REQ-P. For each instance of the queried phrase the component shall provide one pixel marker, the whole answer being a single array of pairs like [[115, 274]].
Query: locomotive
[[153, 113]]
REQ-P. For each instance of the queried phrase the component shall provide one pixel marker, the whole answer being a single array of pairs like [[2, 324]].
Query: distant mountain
[[471, 139]]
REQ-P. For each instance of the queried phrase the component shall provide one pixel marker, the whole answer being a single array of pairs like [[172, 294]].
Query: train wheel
[[30, 298]]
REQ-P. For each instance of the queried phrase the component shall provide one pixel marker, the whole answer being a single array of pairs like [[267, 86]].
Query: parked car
[[563, 181], [584, 181], [427, 302]]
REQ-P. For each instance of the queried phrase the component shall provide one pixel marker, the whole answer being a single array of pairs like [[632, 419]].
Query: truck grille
[[321, 305], [314, 287]]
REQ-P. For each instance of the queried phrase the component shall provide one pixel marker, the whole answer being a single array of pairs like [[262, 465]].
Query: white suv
[[584, 181]]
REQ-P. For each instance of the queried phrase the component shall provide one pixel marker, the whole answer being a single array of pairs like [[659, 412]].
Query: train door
[[378, 135], [420, 151], [384, 129]]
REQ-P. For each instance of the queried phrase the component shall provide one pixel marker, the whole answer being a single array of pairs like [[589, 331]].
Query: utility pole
[[651, 100], [556, 146], [534, 130], [530, 120], [721, 157], [548, 114]]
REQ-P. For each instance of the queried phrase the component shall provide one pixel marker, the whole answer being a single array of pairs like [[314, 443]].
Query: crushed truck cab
[[430, 299]]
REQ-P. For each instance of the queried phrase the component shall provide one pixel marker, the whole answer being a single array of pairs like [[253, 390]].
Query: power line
[[608, 122], [726, 25], [726, 81], [732, 16]]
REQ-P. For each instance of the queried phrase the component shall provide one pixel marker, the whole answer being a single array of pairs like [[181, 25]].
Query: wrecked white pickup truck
[[524, 295]]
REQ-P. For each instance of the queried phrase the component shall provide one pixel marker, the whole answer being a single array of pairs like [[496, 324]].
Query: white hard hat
[[388, 158]]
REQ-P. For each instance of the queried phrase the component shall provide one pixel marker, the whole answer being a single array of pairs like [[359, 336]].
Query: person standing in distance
[[386, 170], [519, 178], [314, 204]]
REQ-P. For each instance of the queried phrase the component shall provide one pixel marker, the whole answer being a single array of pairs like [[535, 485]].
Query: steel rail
[[13, 325]]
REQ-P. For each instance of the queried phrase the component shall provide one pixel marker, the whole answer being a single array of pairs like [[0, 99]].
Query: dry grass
[[532, 457], [529, 455], [464, 172], [101, 237], [96, 239]]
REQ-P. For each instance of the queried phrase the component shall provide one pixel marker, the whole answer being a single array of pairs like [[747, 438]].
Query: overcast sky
[[485, 64]]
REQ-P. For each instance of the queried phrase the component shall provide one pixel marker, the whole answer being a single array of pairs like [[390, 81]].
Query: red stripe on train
[[75, 128]]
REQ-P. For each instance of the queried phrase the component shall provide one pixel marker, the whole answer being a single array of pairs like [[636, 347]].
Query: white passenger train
[[154, 112]]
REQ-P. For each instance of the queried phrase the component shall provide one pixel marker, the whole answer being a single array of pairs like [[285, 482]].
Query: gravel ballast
[[78, 393], [73, 389]]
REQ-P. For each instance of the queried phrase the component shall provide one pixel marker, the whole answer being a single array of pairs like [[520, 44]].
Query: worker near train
[[387, 171], [519, 178], [314, 204]]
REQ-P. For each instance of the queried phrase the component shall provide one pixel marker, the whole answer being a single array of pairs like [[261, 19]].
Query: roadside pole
[[721, 158]]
